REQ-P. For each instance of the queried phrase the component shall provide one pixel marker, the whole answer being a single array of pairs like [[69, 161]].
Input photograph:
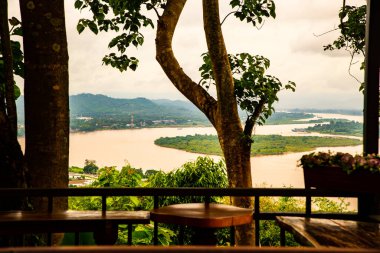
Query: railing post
[[130, 234], [257, 220], [104, 203], [207, 199], [50, 210], [308, 204], [155, 230]]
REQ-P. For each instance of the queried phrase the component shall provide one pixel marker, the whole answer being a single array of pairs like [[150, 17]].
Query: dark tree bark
[[222, 112], [46, 95], [12, 170]]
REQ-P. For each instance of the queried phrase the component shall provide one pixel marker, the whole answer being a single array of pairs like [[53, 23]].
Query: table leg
[[204, 236]]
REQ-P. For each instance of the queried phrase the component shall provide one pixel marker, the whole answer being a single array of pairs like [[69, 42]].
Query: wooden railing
[[156, 193], [182, 249]]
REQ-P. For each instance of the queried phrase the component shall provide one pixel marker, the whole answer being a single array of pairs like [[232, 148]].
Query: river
[[136, 147]]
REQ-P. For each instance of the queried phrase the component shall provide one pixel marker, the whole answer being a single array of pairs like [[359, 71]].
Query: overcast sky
[[289, 42]]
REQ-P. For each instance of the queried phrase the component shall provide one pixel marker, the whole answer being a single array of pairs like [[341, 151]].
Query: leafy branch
[[255, 91]]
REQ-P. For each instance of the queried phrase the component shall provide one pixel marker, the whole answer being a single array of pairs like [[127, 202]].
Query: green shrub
[[203, 172]]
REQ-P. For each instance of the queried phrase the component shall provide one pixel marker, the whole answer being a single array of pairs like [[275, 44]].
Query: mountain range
[[91, 105]]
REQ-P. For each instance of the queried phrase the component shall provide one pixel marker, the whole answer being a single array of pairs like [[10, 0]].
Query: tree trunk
[[46, 96], [235, 145], [12, 173], [222, 113]]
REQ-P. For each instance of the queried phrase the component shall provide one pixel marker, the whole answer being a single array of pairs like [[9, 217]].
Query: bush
[[203, 172], [90, 167]]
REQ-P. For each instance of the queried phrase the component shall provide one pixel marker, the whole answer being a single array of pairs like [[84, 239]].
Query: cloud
[[288, 41]]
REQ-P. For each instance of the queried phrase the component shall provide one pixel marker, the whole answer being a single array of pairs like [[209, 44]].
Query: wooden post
[[371, 204], [371, 79]]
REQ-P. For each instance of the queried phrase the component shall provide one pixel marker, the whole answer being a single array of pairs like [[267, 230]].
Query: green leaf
[[17, 92], [17, 31], [14, 21], [93, 27], [80, 28], [135, 200], [133, 66], [78, 4], [113, 42]]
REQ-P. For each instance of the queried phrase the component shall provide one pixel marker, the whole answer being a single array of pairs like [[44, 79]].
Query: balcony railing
[[156, 193]]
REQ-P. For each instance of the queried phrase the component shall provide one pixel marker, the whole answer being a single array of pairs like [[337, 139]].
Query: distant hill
[[90, 105], [89, 112], [95, 105]]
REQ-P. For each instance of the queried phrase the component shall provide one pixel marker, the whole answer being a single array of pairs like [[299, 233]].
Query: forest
[[338, 127]]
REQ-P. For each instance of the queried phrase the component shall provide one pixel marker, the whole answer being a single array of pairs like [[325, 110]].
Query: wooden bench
[[319, 232], [104, 224]]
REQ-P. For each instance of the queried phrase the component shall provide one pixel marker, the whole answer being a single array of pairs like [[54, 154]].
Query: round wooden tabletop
[[202, 215]]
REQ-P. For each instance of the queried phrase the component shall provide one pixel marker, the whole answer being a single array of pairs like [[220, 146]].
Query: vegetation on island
[[338, 127], [263, 144], [203, 172]]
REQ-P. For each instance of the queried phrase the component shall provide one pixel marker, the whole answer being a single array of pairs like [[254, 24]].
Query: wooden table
[[331, 233], [203, 217]]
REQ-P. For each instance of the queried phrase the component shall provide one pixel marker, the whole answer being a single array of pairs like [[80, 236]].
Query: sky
[[290, 42]]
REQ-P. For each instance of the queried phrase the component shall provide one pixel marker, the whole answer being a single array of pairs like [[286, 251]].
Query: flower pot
[[334, 178]]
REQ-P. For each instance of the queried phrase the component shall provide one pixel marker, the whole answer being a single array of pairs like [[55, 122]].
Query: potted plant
[[341, 171]]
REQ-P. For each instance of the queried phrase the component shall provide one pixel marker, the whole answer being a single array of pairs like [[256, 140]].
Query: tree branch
[[251, 120], [232, 12], [227, 104], [349, 66], [321, 34], [167, 23]]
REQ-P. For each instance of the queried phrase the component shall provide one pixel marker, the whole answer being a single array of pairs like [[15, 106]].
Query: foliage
[[143, 235], [352, 28], [352, 32], [127, 177], [90, 167], [264, 144], [329, 205], [255, 91], [75, 169], [270, 232], [338, 127], [17, 57], [281, 118], [118, 15], [111, 177], [346, 161], [127, 18], [253, 11], [203, 172]]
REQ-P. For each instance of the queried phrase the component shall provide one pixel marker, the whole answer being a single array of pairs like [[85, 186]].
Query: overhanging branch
[[165, 57]]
